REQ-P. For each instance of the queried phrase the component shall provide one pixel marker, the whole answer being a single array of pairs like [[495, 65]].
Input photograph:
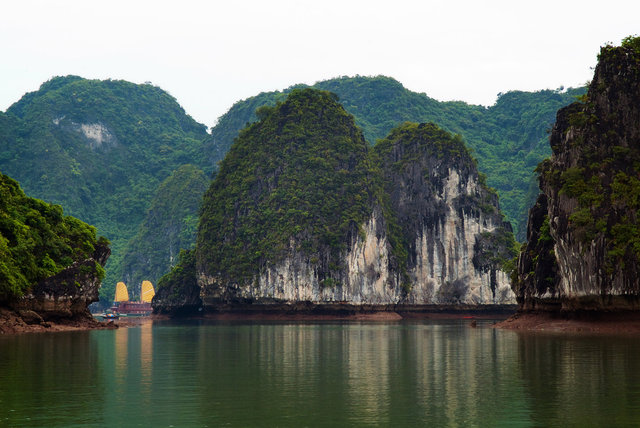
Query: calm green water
[[421, 373]]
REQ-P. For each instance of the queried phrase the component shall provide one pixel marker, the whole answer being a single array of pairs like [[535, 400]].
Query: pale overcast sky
[[210, 54]]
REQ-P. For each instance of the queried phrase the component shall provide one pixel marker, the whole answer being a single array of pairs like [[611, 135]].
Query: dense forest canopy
[[300, 172], [508, 139], [102, 149], [170, 225], [37, 240]]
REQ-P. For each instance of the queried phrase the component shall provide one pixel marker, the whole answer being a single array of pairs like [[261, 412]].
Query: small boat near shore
[[107, 316]]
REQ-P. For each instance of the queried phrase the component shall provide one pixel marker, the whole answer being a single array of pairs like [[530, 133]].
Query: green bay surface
[[435, 373]]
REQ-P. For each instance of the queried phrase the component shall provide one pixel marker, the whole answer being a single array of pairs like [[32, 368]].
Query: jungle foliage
[[301, 171], [100, 149], [508, 139], [170, 225], [36, 240]]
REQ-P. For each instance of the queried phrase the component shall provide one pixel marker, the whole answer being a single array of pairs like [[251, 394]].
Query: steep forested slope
[[170, 225], [37, 241], [100, 149], [508, 138]]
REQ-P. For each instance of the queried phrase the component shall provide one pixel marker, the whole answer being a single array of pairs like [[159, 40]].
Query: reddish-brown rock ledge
[[577, 322], [27, 321]]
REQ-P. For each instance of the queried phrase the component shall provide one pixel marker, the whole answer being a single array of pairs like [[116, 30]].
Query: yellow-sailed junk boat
[[124, 307]]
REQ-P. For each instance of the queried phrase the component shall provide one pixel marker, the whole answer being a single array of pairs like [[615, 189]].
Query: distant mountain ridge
[[508, 139], [304, 213], [101, 149]]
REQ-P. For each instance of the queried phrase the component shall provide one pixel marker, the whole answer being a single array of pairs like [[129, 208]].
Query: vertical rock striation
[[303, 212], [583, 249], [457, 241]]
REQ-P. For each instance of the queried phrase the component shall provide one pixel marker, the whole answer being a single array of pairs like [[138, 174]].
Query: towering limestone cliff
[[583, 249], [457, 242], [508, 139], [289, 198], [303, 211]]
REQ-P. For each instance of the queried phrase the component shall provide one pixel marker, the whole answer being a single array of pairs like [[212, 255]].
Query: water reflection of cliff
[[50, 380], [369, 374], [441, 375], [579, 380], [404, 374]]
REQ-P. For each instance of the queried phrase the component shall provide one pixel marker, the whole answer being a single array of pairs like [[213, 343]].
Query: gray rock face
[[187, 302], [537, 265], [582, 251], [450, 221], [445, 219]]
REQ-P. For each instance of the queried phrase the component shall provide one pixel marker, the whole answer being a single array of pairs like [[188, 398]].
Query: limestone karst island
[[319, 202], [345, 254]]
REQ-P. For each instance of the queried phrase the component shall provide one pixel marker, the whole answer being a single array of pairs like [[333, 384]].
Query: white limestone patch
[[444, 267], [97, 134]]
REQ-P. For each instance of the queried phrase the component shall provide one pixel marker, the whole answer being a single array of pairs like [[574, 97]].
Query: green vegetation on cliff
[[100, 149], [604, 180], [584, 231], [170, 225], [178, 292], [301, 171], [425, 139], [301, 183], [37, 240], [508, 139], [415, 160]]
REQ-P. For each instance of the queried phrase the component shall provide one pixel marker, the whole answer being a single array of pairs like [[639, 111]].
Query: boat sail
[[124, 307], [147, 292], [122, 295]]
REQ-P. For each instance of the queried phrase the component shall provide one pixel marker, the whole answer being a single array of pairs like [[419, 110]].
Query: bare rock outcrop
[[304, 213], [583, 250], [65, 295]]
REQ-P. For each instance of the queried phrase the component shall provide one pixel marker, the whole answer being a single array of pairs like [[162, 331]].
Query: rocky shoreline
[[28, 321], [610, 323], [20, 322], [306, 311]]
